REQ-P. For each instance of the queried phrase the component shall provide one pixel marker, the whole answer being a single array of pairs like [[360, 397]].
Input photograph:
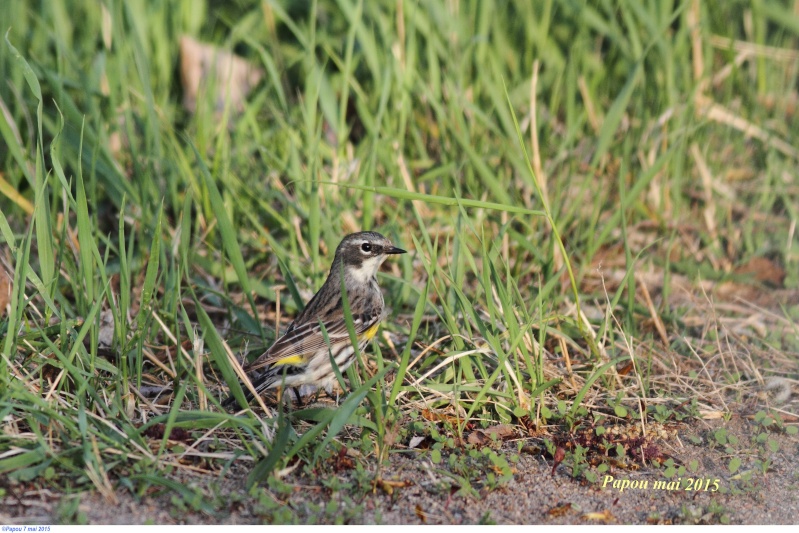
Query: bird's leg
[[297, 396]]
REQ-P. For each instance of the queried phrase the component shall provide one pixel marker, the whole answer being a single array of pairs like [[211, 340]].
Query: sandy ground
[[422, 493]]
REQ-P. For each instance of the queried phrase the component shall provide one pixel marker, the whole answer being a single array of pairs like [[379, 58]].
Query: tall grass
[[188, 231]]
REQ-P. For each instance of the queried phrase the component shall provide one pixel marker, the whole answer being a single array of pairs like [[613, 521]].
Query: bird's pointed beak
[[394, 250]]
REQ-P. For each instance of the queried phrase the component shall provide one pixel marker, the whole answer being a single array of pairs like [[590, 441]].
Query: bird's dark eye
[[366, 247]]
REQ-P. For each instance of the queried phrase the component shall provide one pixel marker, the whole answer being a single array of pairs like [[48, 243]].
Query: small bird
[[302, 355]]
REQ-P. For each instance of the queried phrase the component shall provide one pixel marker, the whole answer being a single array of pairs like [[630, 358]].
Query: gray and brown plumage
[[302, 355]]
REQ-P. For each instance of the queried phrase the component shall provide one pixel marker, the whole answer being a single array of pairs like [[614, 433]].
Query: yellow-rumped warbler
[[302, 355]]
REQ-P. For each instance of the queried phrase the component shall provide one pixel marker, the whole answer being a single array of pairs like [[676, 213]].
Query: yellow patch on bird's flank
[[370, 333], [290, 360]]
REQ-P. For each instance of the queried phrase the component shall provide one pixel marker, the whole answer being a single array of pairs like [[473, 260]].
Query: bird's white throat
[[368, 269]]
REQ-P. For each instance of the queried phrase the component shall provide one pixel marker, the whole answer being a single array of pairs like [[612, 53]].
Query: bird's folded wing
[[308, 338]]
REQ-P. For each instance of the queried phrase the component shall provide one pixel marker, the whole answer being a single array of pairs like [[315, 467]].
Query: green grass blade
[[227, 231], [436, 199]]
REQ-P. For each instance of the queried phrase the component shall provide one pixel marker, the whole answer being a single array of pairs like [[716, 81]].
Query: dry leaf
[[5, 289], [105, 337], [763, 270], [341, 461], [483, 437], [604, 516], [434, 416], [502, 431], [624, 370], [560, 510], [478, 438], [206, 67], [415, 441], [388, 485], [560, 455]]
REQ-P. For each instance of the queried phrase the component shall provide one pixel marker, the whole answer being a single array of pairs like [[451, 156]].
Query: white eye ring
[[366, 248]]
